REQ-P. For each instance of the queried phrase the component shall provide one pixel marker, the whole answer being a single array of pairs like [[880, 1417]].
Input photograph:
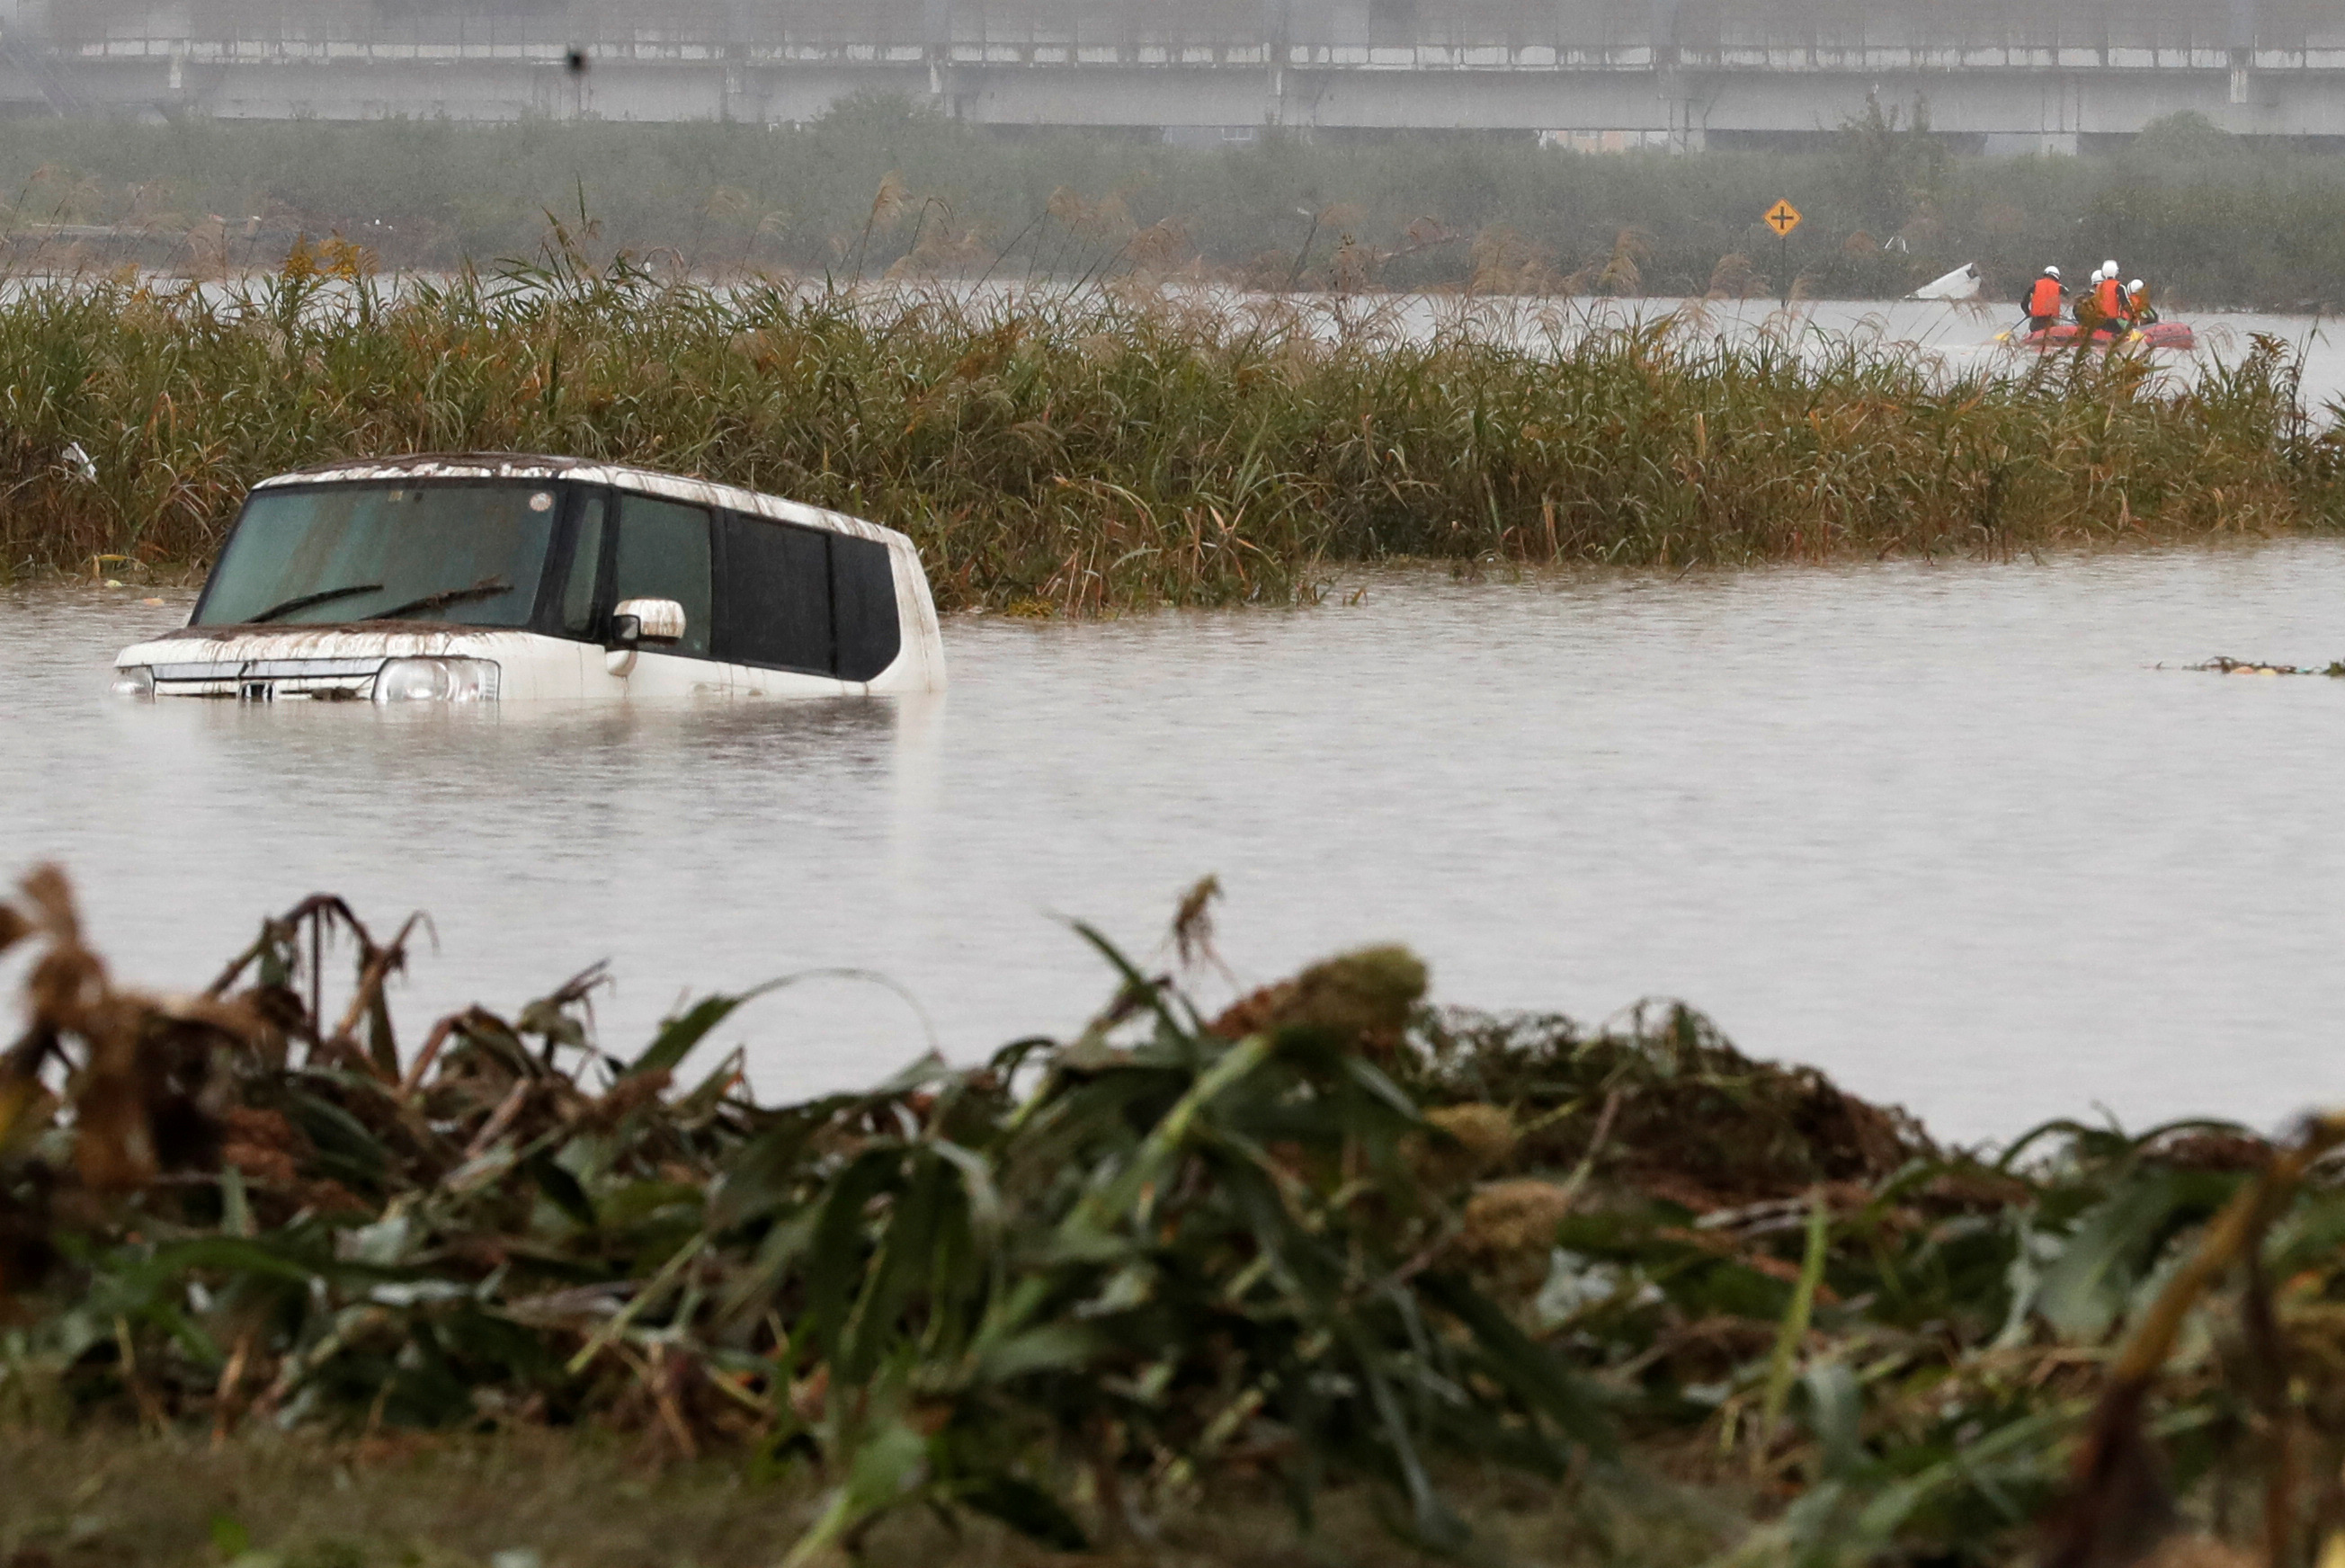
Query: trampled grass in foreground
[[1495, 1285], [1092, 452], [589, 1500]]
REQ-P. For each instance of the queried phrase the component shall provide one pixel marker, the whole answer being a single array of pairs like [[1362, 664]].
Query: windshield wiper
[[486, 588], [304, 600]]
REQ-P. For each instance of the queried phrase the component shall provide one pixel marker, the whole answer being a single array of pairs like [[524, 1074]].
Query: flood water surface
[[1943, 832]]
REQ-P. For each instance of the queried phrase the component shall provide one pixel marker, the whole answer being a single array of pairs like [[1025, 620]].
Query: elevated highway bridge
[[1999, 75]]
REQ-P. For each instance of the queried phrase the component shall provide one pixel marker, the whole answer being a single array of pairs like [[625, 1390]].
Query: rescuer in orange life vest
[[2042, 300], [2110, 303]]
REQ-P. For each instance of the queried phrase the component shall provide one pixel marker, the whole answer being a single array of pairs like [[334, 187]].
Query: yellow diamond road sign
[[1782, 217]]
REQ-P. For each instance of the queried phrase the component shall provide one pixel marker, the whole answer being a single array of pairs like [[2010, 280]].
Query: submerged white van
[[491, 577]]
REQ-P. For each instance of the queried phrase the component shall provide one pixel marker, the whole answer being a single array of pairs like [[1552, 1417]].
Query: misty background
[[1571, 146]]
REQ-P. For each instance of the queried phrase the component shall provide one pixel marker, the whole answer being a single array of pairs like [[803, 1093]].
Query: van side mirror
[[658, 623]]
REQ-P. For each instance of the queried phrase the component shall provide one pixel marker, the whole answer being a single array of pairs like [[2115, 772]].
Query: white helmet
[[2133, 287], [2109, 269], [2051, 272], [2098, 274]]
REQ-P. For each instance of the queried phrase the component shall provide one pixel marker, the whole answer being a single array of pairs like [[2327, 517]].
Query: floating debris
[[2223, 666]]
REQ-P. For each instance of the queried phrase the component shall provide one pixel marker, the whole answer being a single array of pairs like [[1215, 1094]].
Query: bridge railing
[[1722, 32]]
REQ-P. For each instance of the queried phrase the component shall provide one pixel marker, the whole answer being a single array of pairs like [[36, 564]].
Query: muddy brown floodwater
[[1941, 830]]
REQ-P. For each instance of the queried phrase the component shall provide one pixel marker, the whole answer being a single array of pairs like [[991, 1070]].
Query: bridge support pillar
[[1685, 110]]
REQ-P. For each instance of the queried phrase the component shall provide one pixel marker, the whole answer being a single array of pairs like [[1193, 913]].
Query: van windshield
[[461, 551]]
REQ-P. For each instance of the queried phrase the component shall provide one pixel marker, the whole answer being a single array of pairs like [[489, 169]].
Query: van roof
[[643, 481]]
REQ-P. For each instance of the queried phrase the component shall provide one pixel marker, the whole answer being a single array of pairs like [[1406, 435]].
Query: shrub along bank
[[880, 186], [1096, 450], [1620, 1291]]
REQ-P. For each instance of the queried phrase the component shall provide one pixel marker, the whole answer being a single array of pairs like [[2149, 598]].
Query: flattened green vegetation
[[601, 1500], [1332, 1276]]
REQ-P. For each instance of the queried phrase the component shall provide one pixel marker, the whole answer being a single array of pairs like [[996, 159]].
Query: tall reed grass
[[1094, 450]]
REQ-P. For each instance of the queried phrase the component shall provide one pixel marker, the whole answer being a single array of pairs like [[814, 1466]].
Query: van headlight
[[133, 681], [436, 680]]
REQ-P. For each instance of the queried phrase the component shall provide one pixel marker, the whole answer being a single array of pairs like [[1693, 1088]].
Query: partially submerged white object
[[495, 578], [1962, 283]]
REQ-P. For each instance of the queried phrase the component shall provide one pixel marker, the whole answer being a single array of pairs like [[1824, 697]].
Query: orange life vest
[[2110, 298], [2044, 299]]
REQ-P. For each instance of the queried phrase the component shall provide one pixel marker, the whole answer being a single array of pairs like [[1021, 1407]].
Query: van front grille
[[265, 679]]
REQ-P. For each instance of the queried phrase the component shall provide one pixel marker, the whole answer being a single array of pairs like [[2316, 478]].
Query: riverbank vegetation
[[2210, 219], [1129, 446], [1399, 1279]]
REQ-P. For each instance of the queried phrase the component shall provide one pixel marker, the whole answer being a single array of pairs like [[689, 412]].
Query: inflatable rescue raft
[[2064, 334]]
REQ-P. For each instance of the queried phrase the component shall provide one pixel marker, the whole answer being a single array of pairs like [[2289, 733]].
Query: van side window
[[585, 560], [663, 554], [777, 595], [863, 595]]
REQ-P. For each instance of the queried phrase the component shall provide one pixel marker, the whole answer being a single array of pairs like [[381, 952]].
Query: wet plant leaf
[[1025, 1508]]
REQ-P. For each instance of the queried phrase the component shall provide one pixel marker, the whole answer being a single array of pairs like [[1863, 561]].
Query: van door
[[863, 607], [773, 604], [662, 551]]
